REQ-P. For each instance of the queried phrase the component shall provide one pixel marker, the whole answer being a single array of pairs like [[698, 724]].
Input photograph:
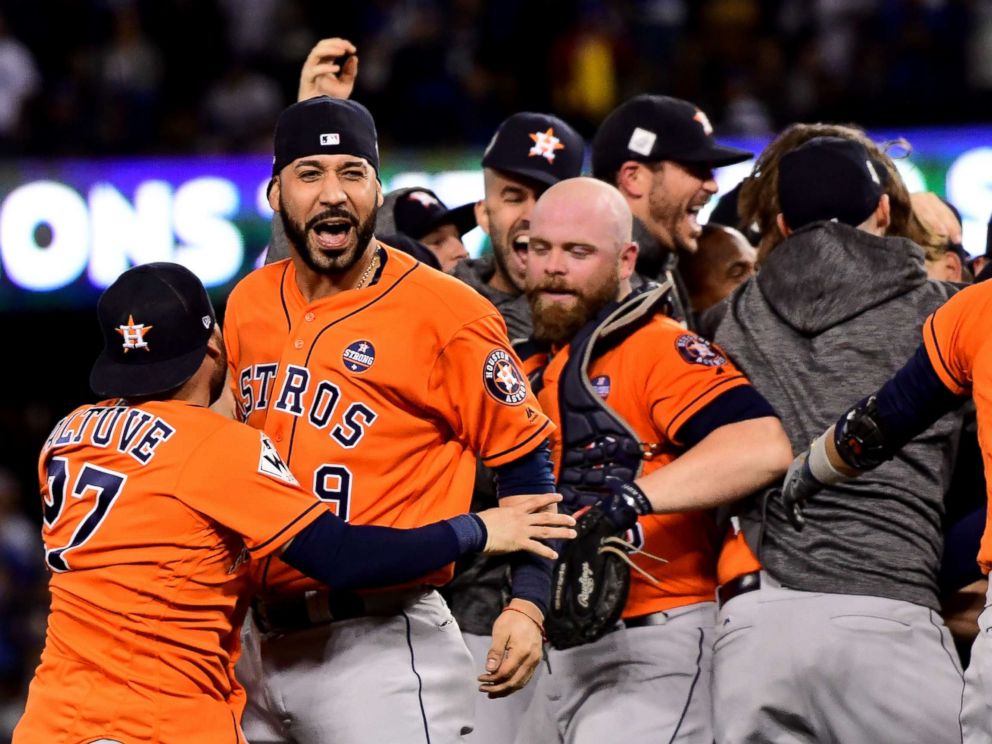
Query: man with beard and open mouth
[[528, 153], [637, 398], [381, 383], [660, 153]]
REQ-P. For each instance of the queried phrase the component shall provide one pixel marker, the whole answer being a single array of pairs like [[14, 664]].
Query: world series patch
[[601, 384], [502, 379], [696, 350], [359, 356]]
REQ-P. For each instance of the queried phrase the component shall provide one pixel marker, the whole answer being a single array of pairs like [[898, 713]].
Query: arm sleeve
[[347, 556], [911, 401], [740, 403], [530, 575], [955, 334], [477, 386]]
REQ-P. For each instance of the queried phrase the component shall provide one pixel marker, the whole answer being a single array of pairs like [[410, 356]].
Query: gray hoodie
[[833, 313], [476, 273]]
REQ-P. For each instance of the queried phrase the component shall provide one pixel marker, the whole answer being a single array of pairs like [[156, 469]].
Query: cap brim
[[463, 218], [534, 174], [715, 155], [110, 378]]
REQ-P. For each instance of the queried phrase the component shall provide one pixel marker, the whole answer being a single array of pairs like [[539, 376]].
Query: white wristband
[[819, 463]]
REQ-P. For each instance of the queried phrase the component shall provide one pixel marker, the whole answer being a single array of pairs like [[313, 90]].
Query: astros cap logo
[[134, 334], [545, 145], [704, 122], [424, 198]]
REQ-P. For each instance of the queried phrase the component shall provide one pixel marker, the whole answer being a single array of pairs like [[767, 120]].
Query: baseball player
[[843, 614], [953, 362], [528, 153], [380, 382], [660, 153], [419, 214], [706, 436], [153, 506]]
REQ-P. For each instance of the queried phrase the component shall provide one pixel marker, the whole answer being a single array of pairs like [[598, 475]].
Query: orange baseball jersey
[[379, 399], [150, 515], [657, 379], [958, 340], [736, 557]]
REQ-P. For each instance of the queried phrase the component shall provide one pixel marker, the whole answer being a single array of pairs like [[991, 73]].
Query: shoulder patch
[[502, 378], [272, 465], [697, 350]]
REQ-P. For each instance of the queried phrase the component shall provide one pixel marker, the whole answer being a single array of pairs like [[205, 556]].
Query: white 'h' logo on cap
[[332, 138]]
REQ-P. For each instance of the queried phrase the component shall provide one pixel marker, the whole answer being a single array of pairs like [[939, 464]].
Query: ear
[[274, 191], [953, 267], [628, 260], [482, 215], [632, 179], [782, 227], [379, 199], [215, 344], [883, 213]]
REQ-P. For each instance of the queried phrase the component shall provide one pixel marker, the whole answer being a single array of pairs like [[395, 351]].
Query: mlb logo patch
[[359, 356], [332, 138], [601, 384], [642, 141]]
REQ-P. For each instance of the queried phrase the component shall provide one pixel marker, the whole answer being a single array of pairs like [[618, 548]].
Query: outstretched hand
[[329, 70]]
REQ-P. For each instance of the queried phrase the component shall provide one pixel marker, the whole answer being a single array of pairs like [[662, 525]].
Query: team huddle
[[534, 497]]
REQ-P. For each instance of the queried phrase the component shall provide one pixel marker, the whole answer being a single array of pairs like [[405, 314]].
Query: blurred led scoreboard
[[68, 228]]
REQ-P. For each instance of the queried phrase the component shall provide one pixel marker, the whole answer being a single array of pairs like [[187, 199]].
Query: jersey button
[[309, 317], [278, 437], [298, 343]]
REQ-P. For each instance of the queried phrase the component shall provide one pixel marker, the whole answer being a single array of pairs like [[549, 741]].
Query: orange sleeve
[[232, 346], [954, 334], [478, 388], [253, 494], [688, 373]]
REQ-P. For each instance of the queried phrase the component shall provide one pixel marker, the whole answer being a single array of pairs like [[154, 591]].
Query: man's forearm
[[729, 463]]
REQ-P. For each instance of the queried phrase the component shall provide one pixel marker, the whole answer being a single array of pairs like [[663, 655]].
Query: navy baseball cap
[[325, 126], [828, 178], [418, 211], [649, 128], [541, 147], [156, 320]]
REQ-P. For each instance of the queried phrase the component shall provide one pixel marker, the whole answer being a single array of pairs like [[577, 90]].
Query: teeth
[[523, 240]]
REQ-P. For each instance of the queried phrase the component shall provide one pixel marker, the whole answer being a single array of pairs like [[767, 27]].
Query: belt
[[741, 585], [644, 621], [314, 608]]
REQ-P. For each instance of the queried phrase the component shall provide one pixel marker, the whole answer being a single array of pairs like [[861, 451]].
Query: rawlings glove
[[591, 578]]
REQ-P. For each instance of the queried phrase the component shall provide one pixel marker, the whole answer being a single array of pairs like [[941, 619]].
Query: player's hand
[[521, 525], [322, 73], [516, 650], [799, 486], [936, 216]]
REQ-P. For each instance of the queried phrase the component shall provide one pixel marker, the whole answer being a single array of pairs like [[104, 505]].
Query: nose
[[331, 192], [555, 263], [709, 183]]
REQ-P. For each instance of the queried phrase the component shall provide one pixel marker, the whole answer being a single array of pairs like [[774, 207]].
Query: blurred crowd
[[181, 76]]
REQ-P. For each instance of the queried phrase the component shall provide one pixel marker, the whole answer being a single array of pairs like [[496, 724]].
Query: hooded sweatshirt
[[832, 314], [476, 273]]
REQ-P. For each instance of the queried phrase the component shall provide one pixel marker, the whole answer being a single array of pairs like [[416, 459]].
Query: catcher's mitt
[[590, 581]]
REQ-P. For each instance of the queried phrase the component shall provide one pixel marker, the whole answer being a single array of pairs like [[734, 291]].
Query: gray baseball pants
[[793, 666], [403, 678], [976, 709], [643, 684]]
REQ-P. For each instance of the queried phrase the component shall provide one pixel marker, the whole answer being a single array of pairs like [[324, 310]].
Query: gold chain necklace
[[369, 270]]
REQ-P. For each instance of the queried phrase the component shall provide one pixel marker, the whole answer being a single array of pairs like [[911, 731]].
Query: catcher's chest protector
[[596, 441]]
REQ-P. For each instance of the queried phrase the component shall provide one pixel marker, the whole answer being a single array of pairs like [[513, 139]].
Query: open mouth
[[520, 244], [333, 234]]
